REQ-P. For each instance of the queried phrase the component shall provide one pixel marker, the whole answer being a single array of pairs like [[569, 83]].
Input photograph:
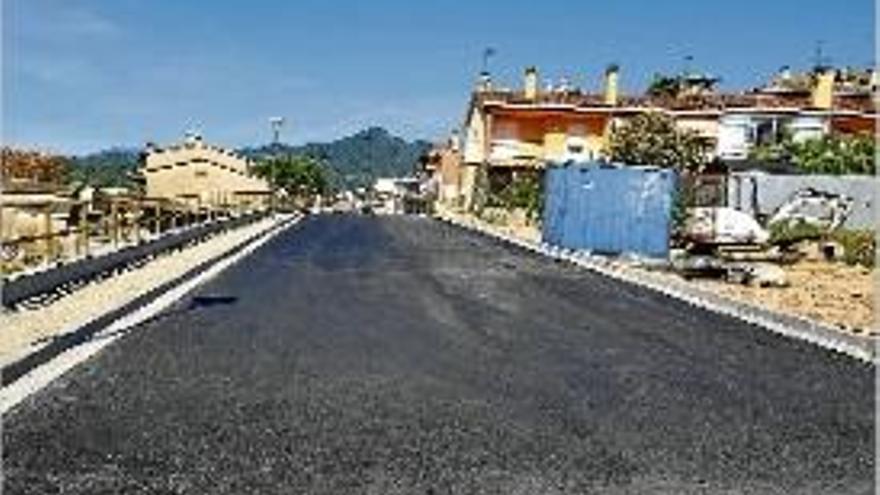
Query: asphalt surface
[[401, 355]]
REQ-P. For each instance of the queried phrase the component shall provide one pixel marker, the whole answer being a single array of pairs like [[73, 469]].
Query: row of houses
[[507, 131]]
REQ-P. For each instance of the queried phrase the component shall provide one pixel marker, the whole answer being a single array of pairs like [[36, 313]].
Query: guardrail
[[24, 287]]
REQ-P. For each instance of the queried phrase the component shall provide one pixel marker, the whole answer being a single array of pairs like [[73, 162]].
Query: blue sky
[[81, 75]]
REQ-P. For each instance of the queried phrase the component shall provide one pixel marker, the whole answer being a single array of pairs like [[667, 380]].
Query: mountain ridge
[[352, 161]]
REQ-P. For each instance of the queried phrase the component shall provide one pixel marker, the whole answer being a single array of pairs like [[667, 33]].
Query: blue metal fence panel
[[609, 209], [553, 205]]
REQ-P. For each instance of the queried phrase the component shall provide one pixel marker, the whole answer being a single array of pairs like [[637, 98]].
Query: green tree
[[664, 86], [831, 154], [654, 139], [299, 175], [524, 191], [835, 154]]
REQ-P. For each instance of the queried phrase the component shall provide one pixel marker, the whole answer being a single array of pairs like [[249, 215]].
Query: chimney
[[484, 83], [454, 141], [785, 73], [611, 87], [530, 86], [823, 90]]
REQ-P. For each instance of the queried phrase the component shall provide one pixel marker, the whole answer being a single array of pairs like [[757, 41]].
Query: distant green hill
[[353, 160], [357, 159], [108, 168]]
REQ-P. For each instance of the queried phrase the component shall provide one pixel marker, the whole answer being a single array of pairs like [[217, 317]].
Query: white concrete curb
[[862, 348], [43, 375]]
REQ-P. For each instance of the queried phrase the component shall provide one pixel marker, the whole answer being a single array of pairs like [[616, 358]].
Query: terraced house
[[207, 175], [509, 132]]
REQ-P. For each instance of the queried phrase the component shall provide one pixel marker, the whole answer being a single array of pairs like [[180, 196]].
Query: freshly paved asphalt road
[[402, 356]]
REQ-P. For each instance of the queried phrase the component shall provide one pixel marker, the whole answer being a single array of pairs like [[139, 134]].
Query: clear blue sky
[[80, 75]]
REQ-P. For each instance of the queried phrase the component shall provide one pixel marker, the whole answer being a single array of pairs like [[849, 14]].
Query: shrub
[[832, 154], [525, 191], [859, 246]]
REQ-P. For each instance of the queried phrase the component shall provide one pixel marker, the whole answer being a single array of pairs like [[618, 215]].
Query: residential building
[[207, 175], [442, 165], [507, 132], [799, 106]]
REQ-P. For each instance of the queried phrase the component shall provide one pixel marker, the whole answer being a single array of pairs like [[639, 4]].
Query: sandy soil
[[832, 293]]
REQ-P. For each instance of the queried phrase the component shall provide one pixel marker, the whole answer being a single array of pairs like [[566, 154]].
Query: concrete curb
[[827, 337], [36, 370]]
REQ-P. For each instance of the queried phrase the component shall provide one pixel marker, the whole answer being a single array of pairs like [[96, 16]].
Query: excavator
[[731, 244]]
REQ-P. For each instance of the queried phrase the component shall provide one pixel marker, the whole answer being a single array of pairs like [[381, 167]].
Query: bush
[[859, 246], [832, 154], [525, 191]]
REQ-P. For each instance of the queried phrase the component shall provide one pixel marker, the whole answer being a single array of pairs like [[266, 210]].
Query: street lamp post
[[275, 123]]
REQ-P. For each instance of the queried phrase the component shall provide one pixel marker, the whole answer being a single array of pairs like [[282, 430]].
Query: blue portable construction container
[[607, 208]]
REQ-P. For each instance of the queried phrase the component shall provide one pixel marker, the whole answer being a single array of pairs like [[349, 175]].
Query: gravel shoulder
[[26, 329]]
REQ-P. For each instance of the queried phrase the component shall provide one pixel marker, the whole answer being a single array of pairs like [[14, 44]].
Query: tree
[[834, 154], [299, 175], [32, 166], [664, 86], [654, 139], [831, 154]]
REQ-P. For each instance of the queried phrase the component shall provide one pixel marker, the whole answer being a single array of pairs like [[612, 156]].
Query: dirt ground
[[832, 293]]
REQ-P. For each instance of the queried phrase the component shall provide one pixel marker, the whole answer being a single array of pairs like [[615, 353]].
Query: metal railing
[[109, 244]]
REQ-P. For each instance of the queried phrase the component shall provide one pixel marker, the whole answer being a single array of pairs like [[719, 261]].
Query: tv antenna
[[688, 65], [276, 123], [820, 60], [488, 53]]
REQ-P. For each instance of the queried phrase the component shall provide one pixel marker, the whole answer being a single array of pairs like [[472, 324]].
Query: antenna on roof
[[488, 53], [193, 132], [688, 67], [820, 60], [276, 123]]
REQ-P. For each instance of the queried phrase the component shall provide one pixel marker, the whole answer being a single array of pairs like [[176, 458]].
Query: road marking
[[40, 377]]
